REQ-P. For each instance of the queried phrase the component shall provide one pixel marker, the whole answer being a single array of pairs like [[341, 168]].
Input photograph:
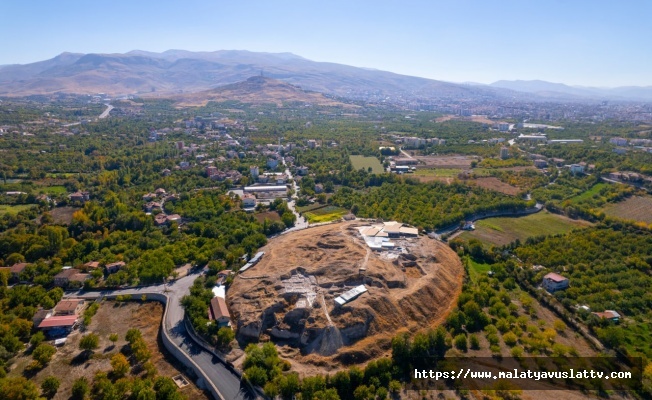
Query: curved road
[[227, 383]]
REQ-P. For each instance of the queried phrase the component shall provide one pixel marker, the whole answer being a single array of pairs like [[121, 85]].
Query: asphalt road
[[227, 383]]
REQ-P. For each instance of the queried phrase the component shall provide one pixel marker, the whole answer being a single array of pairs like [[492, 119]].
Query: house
[[160, 192], [540, 163], [553, 282], [80, 197], [608, 314], [62, 279], [61, 325], [173, 218], [576, 169], [114, 267], [319, 188], [618, 141], [248, 200], [149, 196], [302, 171], [272, 163], [218, 312], [17, 269], [40, 315], [79, 277], [92, 265], [152, 205], [69, 307], [160, 219], [166, 172]]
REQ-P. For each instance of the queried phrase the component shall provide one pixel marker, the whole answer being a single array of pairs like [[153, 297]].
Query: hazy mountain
[[550, 89], [179, 71]]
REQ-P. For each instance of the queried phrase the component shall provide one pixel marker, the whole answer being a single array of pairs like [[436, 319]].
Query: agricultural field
[[496, 184], [363, 162], [439, 172], [269, 215], [504, 230], [636, 208], [325, 214], [452, 162], [13, 210]]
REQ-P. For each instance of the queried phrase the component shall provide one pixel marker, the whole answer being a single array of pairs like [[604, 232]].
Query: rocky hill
[[289, 296], [258, 89]]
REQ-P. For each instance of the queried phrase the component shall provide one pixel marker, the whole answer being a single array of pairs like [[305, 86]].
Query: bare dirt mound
[[289, 296]]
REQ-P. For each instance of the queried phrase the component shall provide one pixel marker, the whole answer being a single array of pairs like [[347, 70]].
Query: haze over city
[[596, 43]]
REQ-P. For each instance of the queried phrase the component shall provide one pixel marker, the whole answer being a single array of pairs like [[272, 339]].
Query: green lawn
[[54, 190], [503, 230], [13, 210], [589, 193], [366, 162], [477, 269]]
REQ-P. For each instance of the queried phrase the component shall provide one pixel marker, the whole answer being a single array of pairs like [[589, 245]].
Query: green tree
[[50, 386], [89, 342], [460, 342], [120, 365], [18, 389], [80, 388], [43, 353]]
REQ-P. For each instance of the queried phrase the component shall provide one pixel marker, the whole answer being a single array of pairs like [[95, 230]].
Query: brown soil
[[495, 184], [110, 318], [452, 162], [63, 215], [270, 215], [406, 292]]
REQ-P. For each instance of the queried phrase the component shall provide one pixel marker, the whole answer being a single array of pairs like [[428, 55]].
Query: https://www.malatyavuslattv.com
[[543, 373]]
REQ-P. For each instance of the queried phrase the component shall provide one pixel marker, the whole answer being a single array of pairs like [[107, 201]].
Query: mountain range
[[179, 73], [550, 89]]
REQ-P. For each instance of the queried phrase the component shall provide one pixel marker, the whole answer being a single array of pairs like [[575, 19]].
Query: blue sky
[[577, 42]]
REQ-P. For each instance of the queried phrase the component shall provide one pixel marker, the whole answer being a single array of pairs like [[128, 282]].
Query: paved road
[[106, 112], [301, 222], [228, 384]]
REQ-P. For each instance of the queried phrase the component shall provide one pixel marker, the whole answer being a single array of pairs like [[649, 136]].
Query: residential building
[[553, 282], [79, 197], [254, 171], [504, 153], [272, 163], [302, 171], [248, 200], [311, 143], [618, 141], [540, 163], [69, 307], [608, 314], [114, 267], [17, 269], [62, 279], [319, 188], [218, 312], [92, 265], [576, 169], [61, 325]]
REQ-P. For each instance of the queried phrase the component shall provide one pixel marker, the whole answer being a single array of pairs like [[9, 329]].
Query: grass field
[[503, 230], [13, 210], [476, 269], [325, 214], [636, 208], [55, 190], [366, 162], [589, 193]]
